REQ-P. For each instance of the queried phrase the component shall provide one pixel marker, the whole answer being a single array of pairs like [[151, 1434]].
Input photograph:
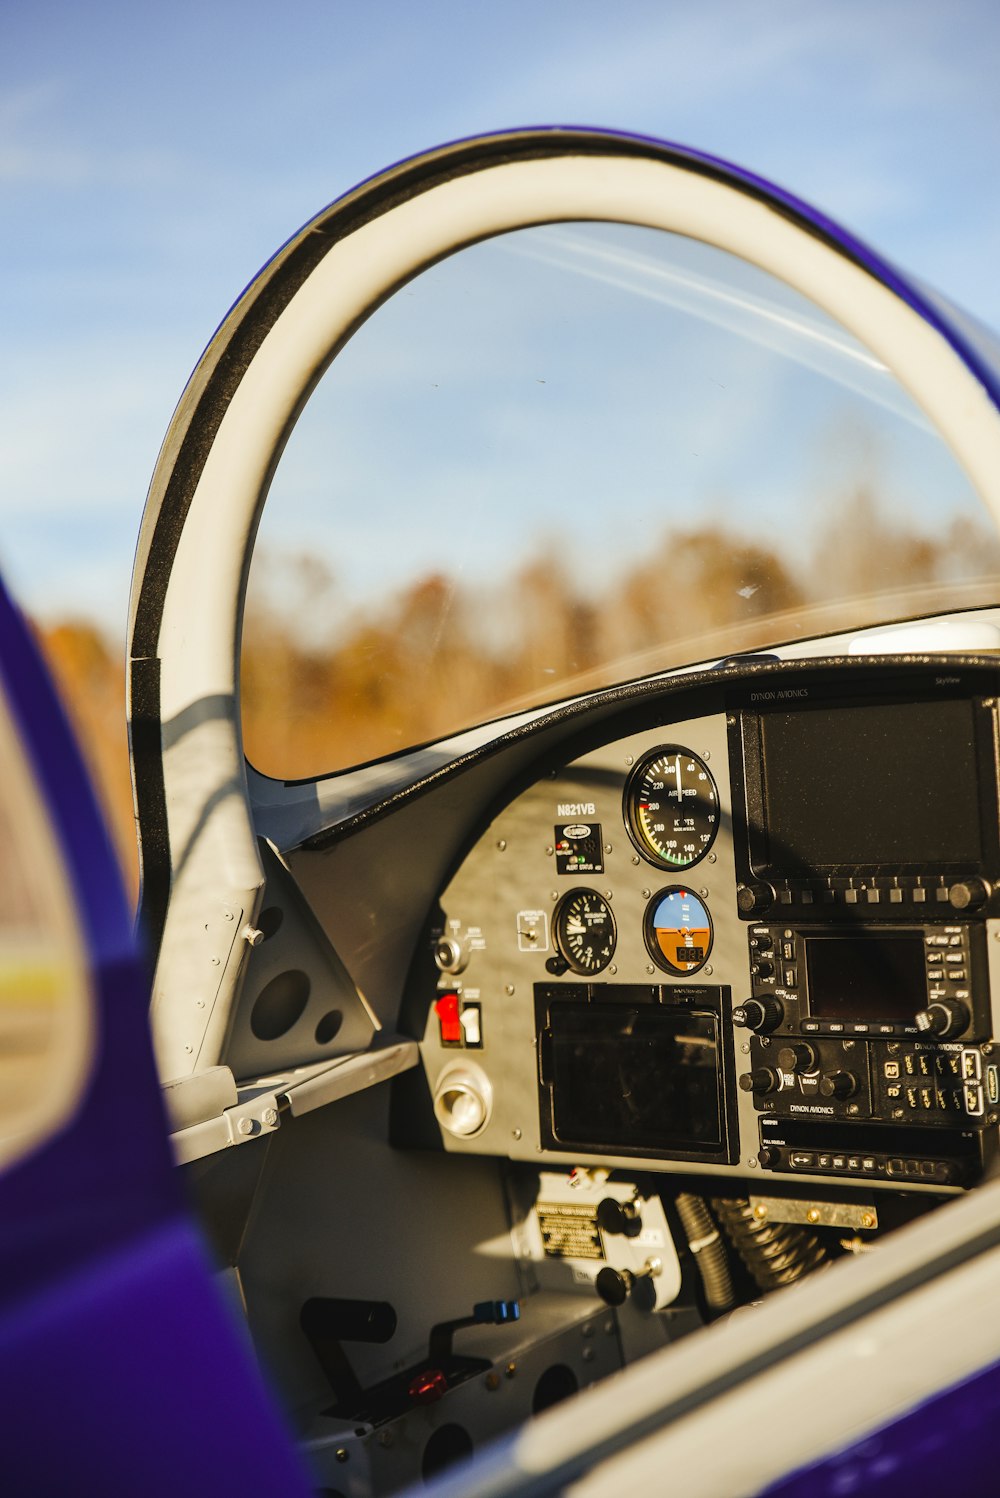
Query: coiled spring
[[776, 1253]]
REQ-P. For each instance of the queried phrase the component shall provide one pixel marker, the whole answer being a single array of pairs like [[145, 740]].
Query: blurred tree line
[[441, 655]]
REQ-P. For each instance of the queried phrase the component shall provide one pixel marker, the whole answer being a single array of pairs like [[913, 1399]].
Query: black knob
[[766, 1157], [619, 1217], [839, 1084], [968, 894], [556, 965], [754, 897], [761, 943], [760, 1015], [943, 1018], [798, 1057], [760, 1081], [613, 1285], [763, 968]]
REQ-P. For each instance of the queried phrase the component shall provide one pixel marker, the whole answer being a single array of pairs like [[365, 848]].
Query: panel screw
[[650, 969], [987, 1048], [709, 970], [867, 1220], [608, 848], [813, 1215], [745, 1048], [384, 1438], [703, 892], [228, 915], [502, 844], [713, 858], [613, 969], [635, 860], [588, 1354], [608, 894], [549, 851], [342, 1454], [752, 1162], [553, 894], [245, 1126], [760, 1211], [508, 989], [629, 760], [269, 1117], [515, 1133], [646, 894], [706, 754], [510, 1370], [215, 961], [588, 1329]]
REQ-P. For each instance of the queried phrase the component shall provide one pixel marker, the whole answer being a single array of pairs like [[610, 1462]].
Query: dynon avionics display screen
[[890, 784], [866, 978]]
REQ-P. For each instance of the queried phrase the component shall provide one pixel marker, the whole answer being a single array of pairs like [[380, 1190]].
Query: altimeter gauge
[[584, 931]]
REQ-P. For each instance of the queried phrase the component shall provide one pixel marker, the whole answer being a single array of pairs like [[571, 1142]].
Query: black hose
[[776, 1253]]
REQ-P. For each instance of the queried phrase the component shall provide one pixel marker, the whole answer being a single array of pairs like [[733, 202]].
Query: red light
[[428, 1387]]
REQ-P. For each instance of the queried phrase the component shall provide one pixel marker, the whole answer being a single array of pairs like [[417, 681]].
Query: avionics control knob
[[968, 894], [619, 1217], [450, 955], [763, 968], [838, 1084], [943, 1018], [798, 1057], [760, 1015], [760, 1081], [754, 897]]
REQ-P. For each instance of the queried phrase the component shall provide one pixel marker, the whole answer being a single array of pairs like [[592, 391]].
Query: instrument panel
[[748, 933]]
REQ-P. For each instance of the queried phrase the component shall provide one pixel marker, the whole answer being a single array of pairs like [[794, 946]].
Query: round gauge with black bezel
[[584, 931], [678, 930], [671, 807]]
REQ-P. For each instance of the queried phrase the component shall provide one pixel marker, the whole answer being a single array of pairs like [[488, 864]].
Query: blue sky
[[152, 158]]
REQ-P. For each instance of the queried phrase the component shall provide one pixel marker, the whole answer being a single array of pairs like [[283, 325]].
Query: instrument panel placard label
[[569, 1230]]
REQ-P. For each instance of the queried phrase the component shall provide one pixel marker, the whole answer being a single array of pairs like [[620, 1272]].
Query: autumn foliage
[[440, 655]]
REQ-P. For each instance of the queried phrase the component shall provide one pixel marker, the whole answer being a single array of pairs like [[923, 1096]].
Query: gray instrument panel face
[[480, 1044], [499, 908]]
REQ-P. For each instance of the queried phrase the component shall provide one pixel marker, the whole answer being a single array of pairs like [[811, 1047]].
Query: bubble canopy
[[801, 309]]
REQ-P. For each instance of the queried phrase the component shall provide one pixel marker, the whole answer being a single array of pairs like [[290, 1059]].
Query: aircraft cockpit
[[575, 899]]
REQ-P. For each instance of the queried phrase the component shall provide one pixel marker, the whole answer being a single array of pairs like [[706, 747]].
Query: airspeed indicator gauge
[[671, 808], [584, 931]]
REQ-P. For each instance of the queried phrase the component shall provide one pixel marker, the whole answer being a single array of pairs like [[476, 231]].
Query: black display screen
[[889, 784], [867, 978], [635, 1077]]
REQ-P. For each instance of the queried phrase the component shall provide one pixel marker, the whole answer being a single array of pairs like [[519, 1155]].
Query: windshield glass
[[571, 456]]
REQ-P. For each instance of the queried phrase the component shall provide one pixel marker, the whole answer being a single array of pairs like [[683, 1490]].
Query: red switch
[[449, 1019]]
